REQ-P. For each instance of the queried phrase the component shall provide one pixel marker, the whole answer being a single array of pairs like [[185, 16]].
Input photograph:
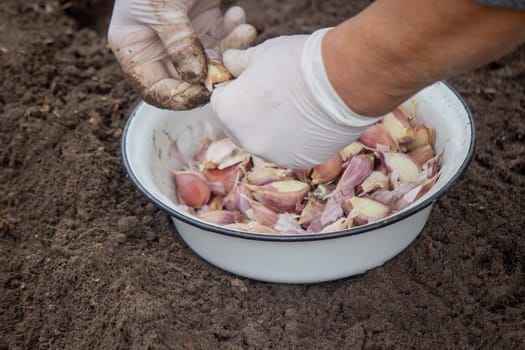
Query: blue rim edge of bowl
[[310, 237]]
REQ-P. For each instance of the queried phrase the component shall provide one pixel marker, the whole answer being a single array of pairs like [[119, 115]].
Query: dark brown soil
[[87, 263]]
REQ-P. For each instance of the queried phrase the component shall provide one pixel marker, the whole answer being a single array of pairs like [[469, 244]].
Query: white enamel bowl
[[291, 258]]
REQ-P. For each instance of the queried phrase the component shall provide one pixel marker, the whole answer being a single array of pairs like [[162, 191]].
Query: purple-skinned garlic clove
[[253, 227], [313, 210], [219, 217], [264, 175], [280, 195], [221, 181], [264, 215], [327, 171], [376, 136], [422, 154], [192, 188]]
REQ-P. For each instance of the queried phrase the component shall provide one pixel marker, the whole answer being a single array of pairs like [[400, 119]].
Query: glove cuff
[[317, 83]]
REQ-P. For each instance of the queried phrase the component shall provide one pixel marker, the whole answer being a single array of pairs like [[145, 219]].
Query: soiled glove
[[282, 106], [160, 46]]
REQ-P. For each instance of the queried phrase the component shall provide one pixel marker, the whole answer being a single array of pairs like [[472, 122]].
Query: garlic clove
[[217, 72], [192, 188], [221, 181], [261, 163], [357, 170], [424, 135], [280, 195], [376, 180], [401, 166], [398, 126], [265, 175], [223, 153], [219, 217], [215, 203], [261, 213], [322, 191], [366, 209], [313, 210], [422, 154], [338, 225], [383, 196], [376, 136], [238, 198], [352, 149], [327, 171], [288, 223]]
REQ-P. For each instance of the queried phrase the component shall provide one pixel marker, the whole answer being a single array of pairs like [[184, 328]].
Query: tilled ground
[[87, 263]]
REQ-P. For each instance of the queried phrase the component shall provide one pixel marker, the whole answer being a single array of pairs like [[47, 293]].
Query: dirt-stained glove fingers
[[184, 49], [159, 88], [176, 95], [241, 37]]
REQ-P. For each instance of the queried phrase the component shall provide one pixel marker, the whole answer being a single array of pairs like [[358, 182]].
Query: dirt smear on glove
[[87, 263]]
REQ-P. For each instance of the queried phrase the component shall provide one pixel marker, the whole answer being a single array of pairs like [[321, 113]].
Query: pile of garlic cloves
[[392, 165]]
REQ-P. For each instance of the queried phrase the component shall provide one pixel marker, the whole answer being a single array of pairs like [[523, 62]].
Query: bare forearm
[[394, 48]]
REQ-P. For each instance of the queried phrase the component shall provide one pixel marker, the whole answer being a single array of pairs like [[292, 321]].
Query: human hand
[[160, 46], [282, 107]]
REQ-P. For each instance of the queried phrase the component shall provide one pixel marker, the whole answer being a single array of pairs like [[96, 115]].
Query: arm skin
[[394, 48]]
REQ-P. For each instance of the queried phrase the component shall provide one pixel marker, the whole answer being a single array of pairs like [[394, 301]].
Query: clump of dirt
[[87, 263]]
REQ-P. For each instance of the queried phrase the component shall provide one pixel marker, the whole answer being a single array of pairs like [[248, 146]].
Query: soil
[[87, 263]]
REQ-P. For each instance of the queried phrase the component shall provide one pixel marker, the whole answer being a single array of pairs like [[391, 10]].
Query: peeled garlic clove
[[328, 171], [376, 180], [313, 210], [217, 72], [376, 135], [398, 126], [219, 217], [422, 154], [265, 175], [352, 149], [401, 166], [280, 195], [362, 207], [192, 188], [338, 225], [424, 135]]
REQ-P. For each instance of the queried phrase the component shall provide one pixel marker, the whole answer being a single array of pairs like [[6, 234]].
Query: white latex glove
[[159, 44], [282, 106]]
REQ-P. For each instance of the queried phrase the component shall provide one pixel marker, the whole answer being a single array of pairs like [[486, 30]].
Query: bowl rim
[[299, 237]]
